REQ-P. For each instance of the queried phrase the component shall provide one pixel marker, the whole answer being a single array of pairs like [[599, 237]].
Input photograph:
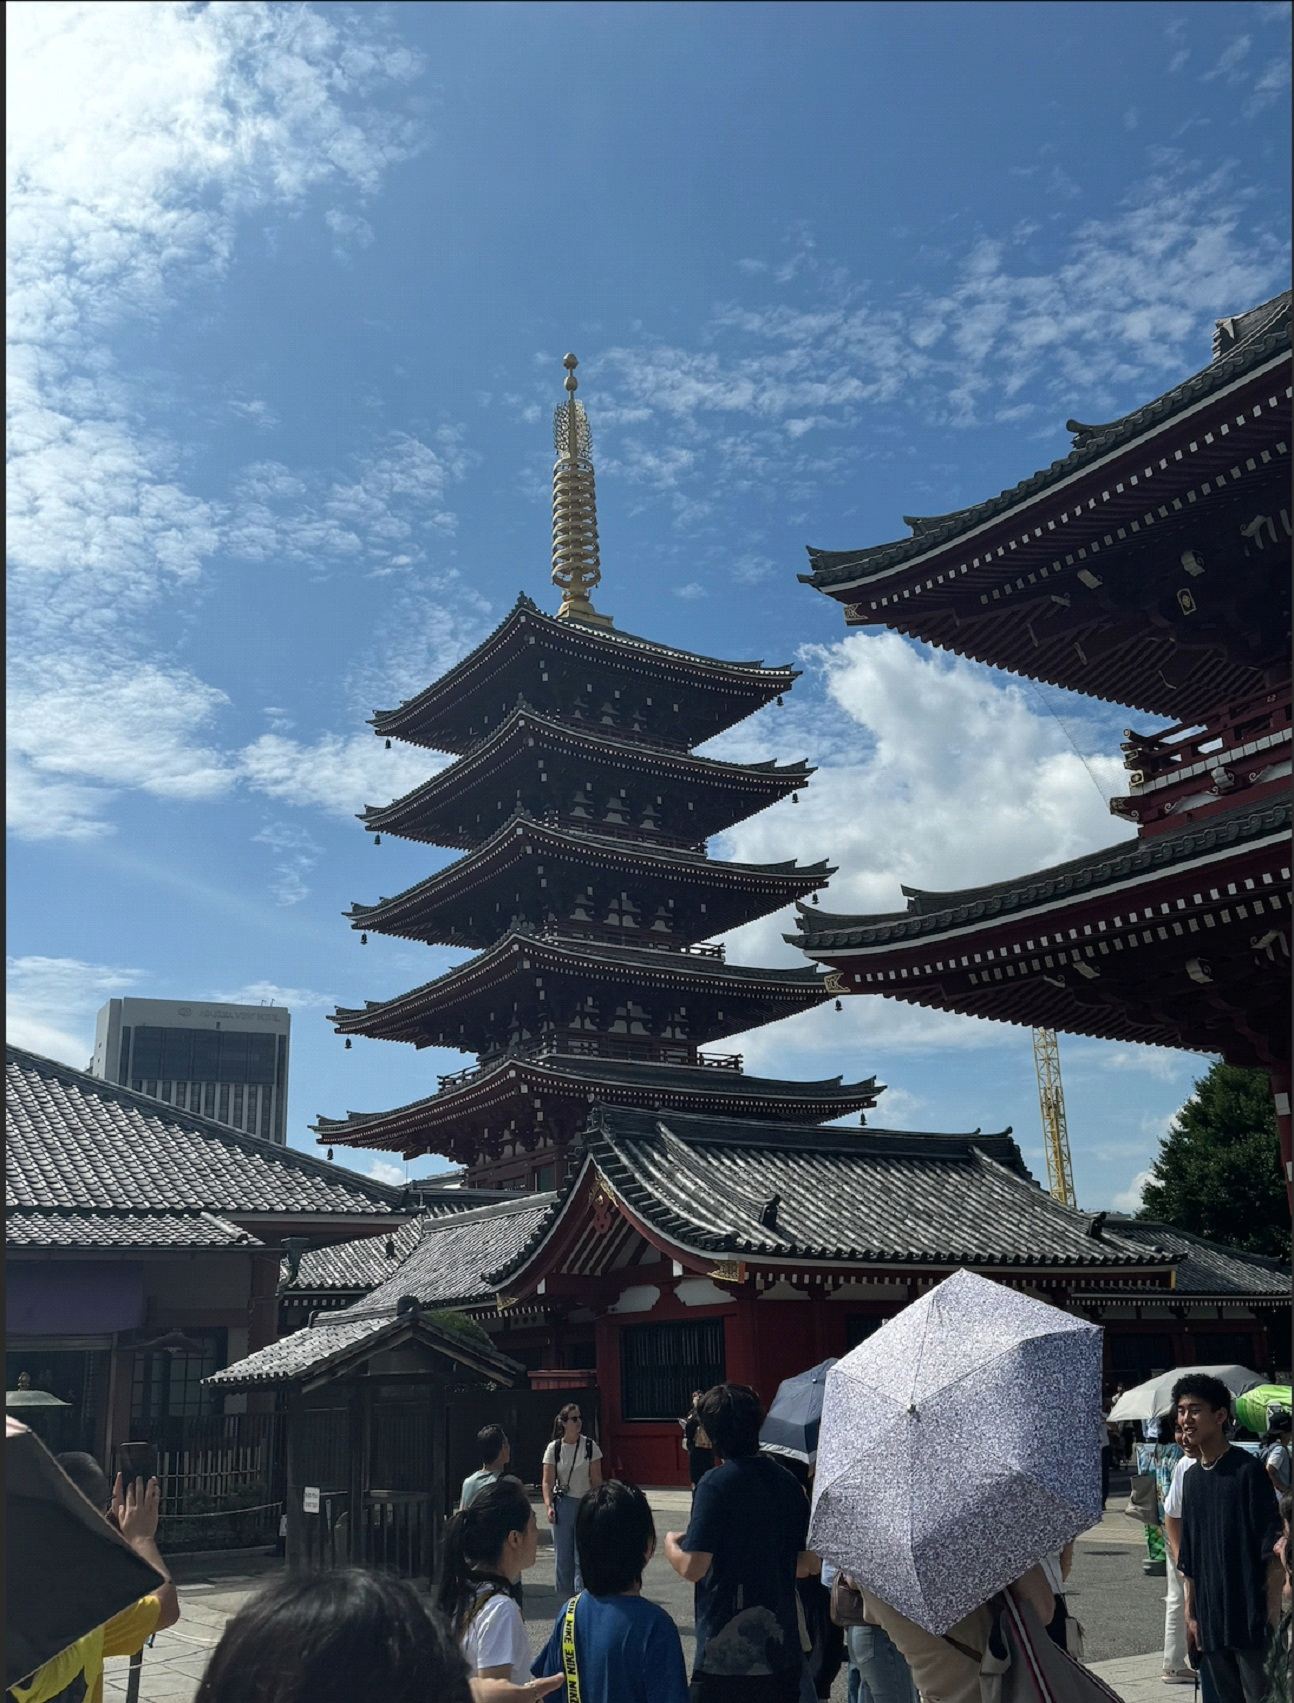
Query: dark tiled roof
[[448, 1265], [1262, 333], [608, 644], [638, 1078], [1207, 1268], [524, 727], [521, 833], [740, 1189], [822, 932], [308, 1352], [352, 1267], [143, 1229], [75, 1143], [579, 958]]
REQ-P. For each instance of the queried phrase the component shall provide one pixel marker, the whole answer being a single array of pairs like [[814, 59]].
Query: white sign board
[[310, 1499]]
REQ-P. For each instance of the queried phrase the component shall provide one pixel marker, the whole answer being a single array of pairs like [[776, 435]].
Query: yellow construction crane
[[1051, 1102]]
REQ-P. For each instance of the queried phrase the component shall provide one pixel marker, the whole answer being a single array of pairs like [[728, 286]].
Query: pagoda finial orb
[[576, 568]]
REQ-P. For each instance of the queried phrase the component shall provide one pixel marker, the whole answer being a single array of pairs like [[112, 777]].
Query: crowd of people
[[774, 1622]]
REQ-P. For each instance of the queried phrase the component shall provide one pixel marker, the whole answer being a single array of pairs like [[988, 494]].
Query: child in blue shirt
[[627, 1650]]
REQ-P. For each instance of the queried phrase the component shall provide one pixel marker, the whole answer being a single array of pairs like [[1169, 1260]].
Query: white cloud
[[1230, 61], [50, 1003], [270, 993], [1129, 1199], [334, 773], [296, 852], [350, 230], [386, 1171], [691, 591], [257, 412], [139, 136]]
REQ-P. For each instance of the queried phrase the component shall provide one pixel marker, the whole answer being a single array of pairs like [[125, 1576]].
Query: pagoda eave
[[1175, 941], [455, 1120], [528, 645], [526, 851]]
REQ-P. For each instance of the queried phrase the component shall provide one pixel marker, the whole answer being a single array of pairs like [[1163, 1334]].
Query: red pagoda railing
[[1197, 763]]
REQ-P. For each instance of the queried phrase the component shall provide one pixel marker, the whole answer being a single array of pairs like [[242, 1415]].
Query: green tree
[[1218, 1172]]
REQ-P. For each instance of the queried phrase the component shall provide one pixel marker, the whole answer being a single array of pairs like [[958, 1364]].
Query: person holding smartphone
[[133, 1506]]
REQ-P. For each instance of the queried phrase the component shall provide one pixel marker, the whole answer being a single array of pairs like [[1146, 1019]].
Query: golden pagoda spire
[[575, 509]]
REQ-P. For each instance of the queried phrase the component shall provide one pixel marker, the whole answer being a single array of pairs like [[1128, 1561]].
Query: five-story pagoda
[[585, 890]]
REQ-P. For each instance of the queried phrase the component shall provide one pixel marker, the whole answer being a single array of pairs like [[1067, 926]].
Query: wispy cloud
[[140, 136], [270, 993], [50, 1003]]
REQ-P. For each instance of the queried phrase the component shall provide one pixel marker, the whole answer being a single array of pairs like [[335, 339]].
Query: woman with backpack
[[572, 1465], [487, 1547]]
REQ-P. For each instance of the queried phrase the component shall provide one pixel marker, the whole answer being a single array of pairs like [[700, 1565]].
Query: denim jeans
[[877, 1667], [568, 1567]]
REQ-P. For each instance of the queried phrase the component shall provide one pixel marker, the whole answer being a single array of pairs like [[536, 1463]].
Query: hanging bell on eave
[[347, 1048], [388, 744], [330, 1155], [839, 1006], [377, 839], [781, 702], [363, 940], [795, 798]]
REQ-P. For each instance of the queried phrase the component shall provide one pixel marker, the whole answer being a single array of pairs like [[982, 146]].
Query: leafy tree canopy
[[1218, 1172]]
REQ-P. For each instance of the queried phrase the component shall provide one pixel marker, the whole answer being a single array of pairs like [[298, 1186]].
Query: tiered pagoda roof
[[585, 889], [530, 653], [1079, 575], [516, 871], [667, 792], [1149, 567]]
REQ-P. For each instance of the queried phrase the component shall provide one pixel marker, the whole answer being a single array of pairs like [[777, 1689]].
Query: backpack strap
[[588, 1448], [570, 1666]]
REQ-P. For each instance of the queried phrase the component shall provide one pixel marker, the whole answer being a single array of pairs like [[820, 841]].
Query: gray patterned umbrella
[[959, 1444]]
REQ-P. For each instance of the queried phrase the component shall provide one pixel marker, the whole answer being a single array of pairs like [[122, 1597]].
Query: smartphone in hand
[[136, 1461]]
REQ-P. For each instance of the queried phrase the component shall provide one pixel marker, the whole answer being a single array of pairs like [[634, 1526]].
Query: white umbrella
[[958, 1446], [1155, 1396]]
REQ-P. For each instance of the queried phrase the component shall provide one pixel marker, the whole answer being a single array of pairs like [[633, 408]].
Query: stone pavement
[[1121, 1610]]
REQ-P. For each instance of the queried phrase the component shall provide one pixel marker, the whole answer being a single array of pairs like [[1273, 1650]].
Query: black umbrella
[[791, 1424], [66, 1569]]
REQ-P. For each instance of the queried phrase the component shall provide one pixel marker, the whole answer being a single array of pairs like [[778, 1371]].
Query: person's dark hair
[[331, 1637], [614, 1533], [489, 1442], [88, 1476], [1206, 1388], [472, 1543], [1279, 1426], [732, 1415], [563, 1414], [1166, 1427]]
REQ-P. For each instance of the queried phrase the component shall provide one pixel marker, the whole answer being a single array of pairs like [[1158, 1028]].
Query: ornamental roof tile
[[822, 932], [1207, 1268], [1257, 337], [73, 1229], [786, 1193], [75, 1144]]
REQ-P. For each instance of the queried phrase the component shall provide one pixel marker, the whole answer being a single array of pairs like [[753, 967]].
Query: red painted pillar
[[1280, 1081]]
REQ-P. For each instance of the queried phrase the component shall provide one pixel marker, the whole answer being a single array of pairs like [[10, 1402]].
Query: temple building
[[635, 1216], [1150, 567], [585, 890]]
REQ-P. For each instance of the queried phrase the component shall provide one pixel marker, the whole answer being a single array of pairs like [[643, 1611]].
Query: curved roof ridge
[[521, 711], [831, 567]]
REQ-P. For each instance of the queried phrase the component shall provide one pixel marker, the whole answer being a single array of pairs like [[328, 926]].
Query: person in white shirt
[[572, 1465], [487, 1547]]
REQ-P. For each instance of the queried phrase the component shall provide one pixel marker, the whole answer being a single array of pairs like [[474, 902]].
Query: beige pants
[[943, 1673]]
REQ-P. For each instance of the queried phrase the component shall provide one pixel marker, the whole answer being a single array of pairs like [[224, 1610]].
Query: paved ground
[[1120, 1608]]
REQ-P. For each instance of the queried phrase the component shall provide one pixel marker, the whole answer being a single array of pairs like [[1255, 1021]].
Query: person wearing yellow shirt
[[75, 1675]]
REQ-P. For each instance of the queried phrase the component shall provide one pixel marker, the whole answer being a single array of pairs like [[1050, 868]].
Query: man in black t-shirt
[[1230, 1524], [743, 1549]]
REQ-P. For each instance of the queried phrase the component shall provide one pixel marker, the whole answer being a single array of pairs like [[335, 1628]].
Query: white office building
[[228, 1062]]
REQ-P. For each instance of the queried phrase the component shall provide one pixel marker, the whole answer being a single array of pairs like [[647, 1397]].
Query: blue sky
[[289, 288]]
